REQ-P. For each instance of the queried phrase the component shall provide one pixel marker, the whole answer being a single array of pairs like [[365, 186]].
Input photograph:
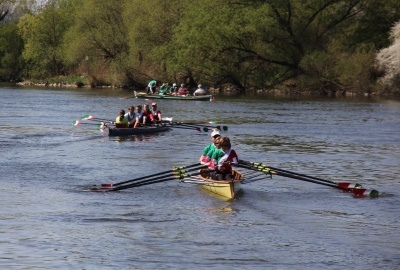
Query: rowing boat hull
[[228, 189], [198, 98], [135, 131]]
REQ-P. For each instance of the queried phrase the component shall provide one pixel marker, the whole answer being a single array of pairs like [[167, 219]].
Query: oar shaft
[[310, 180], [225, 128], [296, 177], [99, 120], [157, 174], [145, 182], [153, 181], [183, 127], [192, 125], [294, 173]]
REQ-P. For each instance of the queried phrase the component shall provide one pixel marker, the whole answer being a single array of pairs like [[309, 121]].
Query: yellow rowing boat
[[226, 188]]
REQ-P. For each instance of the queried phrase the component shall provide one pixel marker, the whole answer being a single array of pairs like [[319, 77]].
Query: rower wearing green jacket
[[164, 89], [209, 149]]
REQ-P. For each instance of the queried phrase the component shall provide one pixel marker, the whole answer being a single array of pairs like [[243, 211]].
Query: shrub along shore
[[313, 47], [229, 90]]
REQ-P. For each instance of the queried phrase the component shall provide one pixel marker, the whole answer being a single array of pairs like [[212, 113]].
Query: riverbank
[[288, 90]]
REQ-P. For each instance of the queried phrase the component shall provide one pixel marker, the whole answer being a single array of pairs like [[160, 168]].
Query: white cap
[[215, 132], [174, 84], [199, 85]]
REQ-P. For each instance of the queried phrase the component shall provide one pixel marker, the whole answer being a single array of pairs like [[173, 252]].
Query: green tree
[[97, 43], [259, 43], [43, 37], [11, 46], [150, 30]]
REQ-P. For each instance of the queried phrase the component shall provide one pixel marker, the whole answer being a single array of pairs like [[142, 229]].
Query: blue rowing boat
[[136, 131]]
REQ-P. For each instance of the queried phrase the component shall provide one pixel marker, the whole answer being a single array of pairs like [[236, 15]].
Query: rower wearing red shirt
[[183, 91], [156, 113], [148, 117]]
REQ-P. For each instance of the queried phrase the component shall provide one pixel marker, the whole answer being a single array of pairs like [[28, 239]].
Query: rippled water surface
[[48, 222]]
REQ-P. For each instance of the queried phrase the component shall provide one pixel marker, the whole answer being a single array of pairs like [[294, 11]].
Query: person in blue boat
[[138, 116], [130, 115], [156, 113], [209, 149], [121, 119], [151, 87], [221, 160], [148, 117], [200, 91]]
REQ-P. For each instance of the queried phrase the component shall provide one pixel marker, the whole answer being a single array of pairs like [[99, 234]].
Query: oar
[[125, 98], [153, 175], [77, 123], [293, 176], [264, 166], [190, 128], [91, 117], [357, 189], [178, 175], [225, 128]]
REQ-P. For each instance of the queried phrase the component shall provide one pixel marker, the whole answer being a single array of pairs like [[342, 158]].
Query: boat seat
[[120, 125]]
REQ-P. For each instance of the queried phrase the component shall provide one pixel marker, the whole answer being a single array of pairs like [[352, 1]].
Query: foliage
[[43, 36], [11, 46], [317, 45], [388, 59]]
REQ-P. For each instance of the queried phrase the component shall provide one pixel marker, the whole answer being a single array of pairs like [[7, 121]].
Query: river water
[[48, 222]]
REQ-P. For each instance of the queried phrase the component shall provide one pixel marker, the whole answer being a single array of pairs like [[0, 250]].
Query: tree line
[[324, 46]]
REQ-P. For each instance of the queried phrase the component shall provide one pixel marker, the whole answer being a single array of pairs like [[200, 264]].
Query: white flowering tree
[[388, 59]]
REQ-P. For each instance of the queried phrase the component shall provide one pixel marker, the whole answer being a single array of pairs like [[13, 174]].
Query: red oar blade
[[362, 192], [76, 123], [348, 187]]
